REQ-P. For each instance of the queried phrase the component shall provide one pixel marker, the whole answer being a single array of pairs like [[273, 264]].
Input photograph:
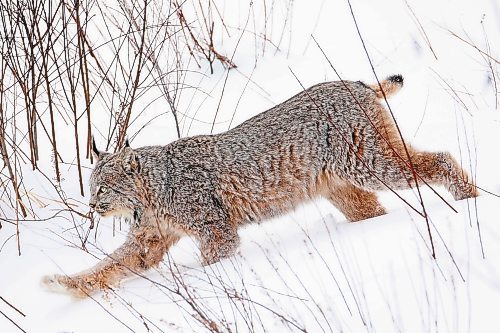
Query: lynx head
[[112, 183]]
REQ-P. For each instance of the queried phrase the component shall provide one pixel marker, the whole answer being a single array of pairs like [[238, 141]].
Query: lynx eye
[[102, 190]]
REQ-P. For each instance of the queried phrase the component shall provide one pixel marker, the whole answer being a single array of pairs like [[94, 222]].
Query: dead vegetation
[[65, 64]]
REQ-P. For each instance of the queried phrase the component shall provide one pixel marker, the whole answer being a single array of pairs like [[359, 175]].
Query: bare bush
[[64, 61]]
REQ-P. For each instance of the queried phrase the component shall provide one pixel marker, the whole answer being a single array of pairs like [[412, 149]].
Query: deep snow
[[309, 269]]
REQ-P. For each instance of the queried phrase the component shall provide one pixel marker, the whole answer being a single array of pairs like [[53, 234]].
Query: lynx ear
[[97, 154], [130, 161], [127, 144]]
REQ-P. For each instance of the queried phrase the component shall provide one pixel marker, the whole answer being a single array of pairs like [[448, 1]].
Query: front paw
[[75, 286]]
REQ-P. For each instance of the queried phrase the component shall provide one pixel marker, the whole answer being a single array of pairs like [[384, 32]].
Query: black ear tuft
[[127, 144], [96, 151]]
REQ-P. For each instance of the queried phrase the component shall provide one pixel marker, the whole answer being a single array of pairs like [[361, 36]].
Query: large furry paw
[[73, 286], [212, 252], [465, 191]]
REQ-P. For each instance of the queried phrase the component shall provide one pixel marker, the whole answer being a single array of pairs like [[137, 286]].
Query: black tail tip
[[398, 78]]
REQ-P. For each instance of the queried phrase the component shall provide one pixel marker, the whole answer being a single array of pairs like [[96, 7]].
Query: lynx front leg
[[218, 242], [140, 252]]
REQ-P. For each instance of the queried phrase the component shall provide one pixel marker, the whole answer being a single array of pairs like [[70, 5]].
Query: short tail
[[389, 86]]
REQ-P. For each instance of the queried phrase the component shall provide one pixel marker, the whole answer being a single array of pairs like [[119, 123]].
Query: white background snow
[[310, 269]]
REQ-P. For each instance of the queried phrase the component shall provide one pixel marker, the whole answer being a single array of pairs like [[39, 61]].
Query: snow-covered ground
[[309, 270], [297, 272]]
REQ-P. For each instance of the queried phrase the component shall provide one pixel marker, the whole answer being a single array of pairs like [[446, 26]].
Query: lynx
[[334, 140]]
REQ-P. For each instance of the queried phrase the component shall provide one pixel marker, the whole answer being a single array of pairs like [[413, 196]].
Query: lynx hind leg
[[218, 243], [355, 203], [435, 168], [140, 252], [442, 169]]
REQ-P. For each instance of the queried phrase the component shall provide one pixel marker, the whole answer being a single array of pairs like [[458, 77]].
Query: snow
[[320, 274], [310, 269]]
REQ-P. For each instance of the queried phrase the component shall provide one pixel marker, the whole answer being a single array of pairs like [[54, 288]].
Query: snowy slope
[[309, 270], [295, 272]]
